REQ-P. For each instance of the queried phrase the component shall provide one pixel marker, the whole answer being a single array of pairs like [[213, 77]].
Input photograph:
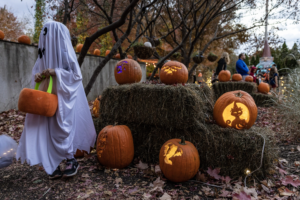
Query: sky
[[23, 8]]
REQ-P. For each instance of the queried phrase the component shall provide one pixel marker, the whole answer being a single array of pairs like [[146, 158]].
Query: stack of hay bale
[[262, 100], [157, 113]]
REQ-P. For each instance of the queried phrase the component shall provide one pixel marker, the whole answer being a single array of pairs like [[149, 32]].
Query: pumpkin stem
[[182, 141], [239, 94]]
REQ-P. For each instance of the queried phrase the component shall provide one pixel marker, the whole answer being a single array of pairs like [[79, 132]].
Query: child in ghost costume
[[49, 140]]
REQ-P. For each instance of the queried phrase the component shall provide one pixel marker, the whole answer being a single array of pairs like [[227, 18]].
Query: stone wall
[[17, 61]]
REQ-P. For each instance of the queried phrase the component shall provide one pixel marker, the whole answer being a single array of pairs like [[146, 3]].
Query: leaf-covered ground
[[145, 181]]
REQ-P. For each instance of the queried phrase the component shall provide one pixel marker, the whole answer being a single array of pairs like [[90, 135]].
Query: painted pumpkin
[[129, 56], [107, 52], [249, 79], [224, 76], [179, 160], [173, 72], [235, 109], [128, 71], [97, 52], [1, 35], [117, 56], [24, 39], [237, 77], [263, 88], [96, 107], [79, 47], [115, 146]]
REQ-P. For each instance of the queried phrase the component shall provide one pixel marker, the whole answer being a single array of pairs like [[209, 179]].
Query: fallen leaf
[[297, 163], [196, 197], [298, 148], [227, 179], [225, 193], [241, 196], [157, 169], [251, 191], [285, 192], [290, 180], [201, 177], [282, 160], [206, 190], [265, 188], [214, 173], [146, 196], [158, 183], [85, 176], [108, 193], [37, 181], [118, 180], [165, 197], [133, 191], [142, 165]]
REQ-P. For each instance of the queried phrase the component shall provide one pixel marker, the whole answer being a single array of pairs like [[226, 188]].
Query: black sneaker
[[71, 168], [56, 174]]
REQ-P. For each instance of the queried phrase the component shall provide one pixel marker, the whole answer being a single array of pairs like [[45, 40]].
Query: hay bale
[[263, 100], [220, 88], [180, 107], [216, 145]]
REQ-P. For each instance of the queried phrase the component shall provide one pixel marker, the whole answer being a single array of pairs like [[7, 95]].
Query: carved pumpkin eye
[[171, 150]]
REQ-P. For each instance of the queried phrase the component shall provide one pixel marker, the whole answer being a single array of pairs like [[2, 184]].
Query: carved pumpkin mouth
[[235, 114], [171, 69], [101, 144], [171, 150]]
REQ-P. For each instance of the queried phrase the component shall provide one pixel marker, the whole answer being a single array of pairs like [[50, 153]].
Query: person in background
[[252, 73], [241, 66], [222, 65], [273, 78]]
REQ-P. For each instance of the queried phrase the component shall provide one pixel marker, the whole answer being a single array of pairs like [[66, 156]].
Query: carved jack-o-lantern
[[128, 71], [173, 72], [96, 107], [173, 158], [235, 109], [115, 147]]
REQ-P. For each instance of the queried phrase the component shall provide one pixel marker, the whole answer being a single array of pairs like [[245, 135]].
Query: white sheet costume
[[49, 140]]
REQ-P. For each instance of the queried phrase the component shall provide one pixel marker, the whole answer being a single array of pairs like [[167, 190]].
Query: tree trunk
[[66, 12]]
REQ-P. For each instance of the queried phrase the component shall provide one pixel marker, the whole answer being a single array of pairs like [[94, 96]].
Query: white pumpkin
[[147, 44]]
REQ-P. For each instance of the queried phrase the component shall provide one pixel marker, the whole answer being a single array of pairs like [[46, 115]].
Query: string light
[[247, 171]]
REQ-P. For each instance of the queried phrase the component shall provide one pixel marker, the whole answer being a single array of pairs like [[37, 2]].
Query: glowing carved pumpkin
[[224, 76], [249, 79], [173, 72], [128, 71], [263, 88], [1, 35], [24, 39], [97, 52], [115, 146], [79, 47], [96, 107], [237, 77], [235, 109], [179, 160]]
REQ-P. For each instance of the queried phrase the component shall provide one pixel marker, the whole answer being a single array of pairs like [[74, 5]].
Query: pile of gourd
[[178, 159], [225, 75]]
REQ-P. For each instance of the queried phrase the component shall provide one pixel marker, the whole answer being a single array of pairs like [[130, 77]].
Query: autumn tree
[[10, 25]]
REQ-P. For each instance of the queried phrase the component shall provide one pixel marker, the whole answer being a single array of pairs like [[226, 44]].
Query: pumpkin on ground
[[1, 35], [24, 39], [263, 88], [224, 76], [236, 109], [107, 52], [80, 154], [79, 47], [128, 71], [96, 107], [115, 146], [179, 160], [97, 52], [173, 72], [249, 79], [237, 77]]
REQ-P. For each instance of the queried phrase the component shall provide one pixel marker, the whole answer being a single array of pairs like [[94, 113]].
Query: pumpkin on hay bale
[[224, 76], [173, 72], [249, 79], [142, 51], [128, 71], [263, 88], [237, 77]]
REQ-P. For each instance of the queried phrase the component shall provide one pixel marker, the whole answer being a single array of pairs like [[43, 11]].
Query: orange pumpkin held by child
[[249, 79], [128, 71], [115, 147], [173, 72], [235, 109], [24, 39], [179, 160], [263, 88], [224, 76], [1, 35], [97, 52], [79, 47], [237, 77]]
